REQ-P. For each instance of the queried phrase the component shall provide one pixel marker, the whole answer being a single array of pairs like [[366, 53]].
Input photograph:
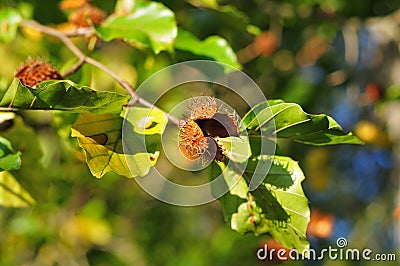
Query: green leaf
[[288, 120], [11, 192], [149, 24], [9, 22], [287, 223], [25, 140], [8, 159], [214, 47], [100, 135], [62, 95], [278, 207], [235, 148]]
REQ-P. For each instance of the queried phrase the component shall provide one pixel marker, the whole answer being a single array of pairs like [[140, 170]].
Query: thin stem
[[78, 52], [80, 32], [54, 33], [84, 58], [74, 68]]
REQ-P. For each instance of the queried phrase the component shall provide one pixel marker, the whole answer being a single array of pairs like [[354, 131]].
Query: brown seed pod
[[204, 107], [196, 136], [219, 125], [34, 71], [86, 15], [192, 141]]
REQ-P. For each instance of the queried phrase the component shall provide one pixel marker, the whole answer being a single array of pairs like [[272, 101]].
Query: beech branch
[[83, 58]]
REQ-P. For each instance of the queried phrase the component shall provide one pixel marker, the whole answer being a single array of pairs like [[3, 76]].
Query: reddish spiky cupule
[[34, 71]]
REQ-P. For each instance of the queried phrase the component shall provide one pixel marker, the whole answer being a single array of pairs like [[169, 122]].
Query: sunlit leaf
[[214, 47], [11, 192], [124, 6], [101, 138], [4, 116], [62, 95], [100, 135], [278, 207], [148, 23], [8, 159], [235, 148], [9, 21], [147, 121], [288, 120]]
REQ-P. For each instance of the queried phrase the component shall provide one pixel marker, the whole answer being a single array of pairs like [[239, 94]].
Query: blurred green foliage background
[[331, 56]]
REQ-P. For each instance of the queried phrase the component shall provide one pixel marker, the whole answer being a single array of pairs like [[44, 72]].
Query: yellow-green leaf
[[236, 149], [11, 192], [147, 121], [101, 137]]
